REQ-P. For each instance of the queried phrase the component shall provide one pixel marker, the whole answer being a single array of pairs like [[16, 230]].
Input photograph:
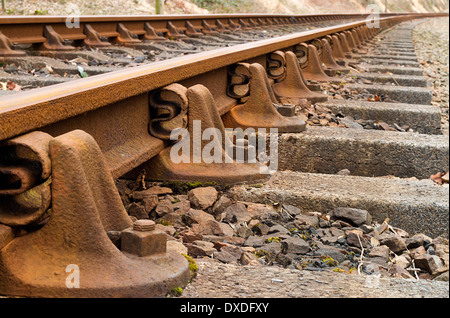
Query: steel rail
[[65, 100], [81, 104], [30, 30]]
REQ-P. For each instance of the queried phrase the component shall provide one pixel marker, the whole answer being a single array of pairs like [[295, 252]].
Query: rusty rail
[[30, 30], [63, 107], [50, 32]]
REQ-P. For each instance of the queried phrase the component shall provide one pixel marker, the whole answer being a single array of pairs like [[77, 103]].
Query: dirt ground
[[217, 280]]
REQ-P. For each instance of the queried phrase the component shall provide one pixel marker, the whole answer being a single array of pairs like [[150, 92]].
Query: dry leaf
[[437, 177], [49, 68], [401, 232], [11, 86]]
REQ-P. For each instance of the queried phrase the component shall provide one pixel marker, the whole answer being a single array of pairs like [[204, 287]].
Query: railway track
[[102, 44], [63, 144]]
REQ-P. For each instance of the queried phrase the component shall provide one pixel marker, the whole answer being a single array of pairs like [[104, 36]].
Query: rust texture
[[85, 206], [48, 32], [45, 106], [130, 116], [293, 87], [6, 47], [258, 110], [192, 167], [25, 179], [61, 147]]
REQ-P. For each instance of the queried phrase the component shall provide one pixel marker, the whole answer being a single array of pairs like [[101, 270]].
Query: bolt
[[144, 225], [143, 239]]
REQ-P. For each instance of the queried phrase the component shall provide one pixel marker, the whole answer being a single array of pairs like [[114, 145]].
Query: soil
[[218, 280]]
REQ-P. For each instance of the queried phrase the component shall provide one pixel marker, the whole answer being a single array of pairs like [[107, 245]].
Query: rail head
[[121, 18], [30, 29], [27, 111]]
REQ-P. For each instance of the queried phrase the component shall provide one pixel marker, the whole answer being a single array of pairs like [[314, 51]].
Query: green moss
[[338, 270], [192, 265], [164, 222], [177, 291], [329, 261], [260, 253], [40, 12], [268, 256], [273, 239], [264, 253], [305, 263], [183, 187]]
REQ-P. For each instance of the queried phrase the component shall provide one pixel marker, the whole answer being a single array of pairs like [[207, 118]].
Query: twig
[[283, 210], [414, 269], [392, 77], [362, 255]]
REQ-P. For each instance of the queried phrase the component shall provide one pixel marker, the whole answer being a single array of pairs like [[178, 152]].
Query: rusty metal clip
[[202, 111], [150, 34], [310, 63], [276, 66], [222, 27], [259, 110], [85, 206], [191, 31], [173, 31], [26, 208], [168, 109], [336, 47], [294, 88], [125, 36], [54, 42], [93, 37], [324, 50], [25, 161], [25, 170], [5, 47], [208, 29], [237, 87]]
